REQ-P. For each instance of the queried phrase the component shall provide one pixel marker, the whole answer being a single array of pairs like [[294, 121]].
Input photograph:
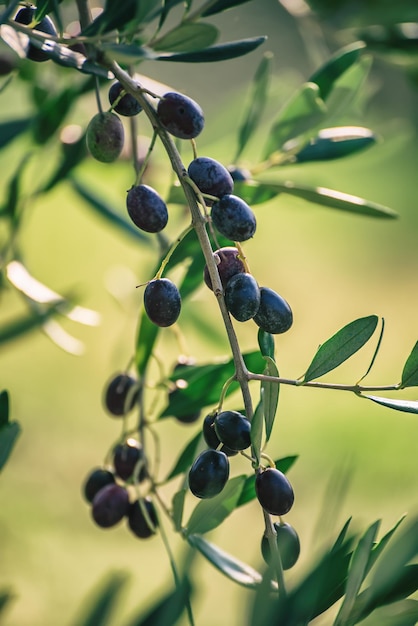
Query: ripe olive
[[125, 458], [137, 521], [105, 137], [228, 264], [211, 437], [110, 505], [146, 208], [210, 176], [233, 218], [274, 491], [127, 105], [288, 543], [233, 429], [242, 296], [181, 116], [120, 396], [96, 480], [162, 301], [209, 474], [274, 315], [46, 25]]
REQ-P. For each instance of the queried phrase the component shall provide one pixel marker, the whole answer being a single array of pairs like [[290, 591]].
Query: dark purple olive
[[274, 491], [110, 505]]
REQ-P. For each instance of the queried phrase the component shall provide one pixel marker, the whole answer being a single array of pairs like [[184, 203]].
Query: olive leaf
[[343, 59], [341, 346], [187, 38], [231, 567], [210, 513], [257, 431], [185, 458], [219, 52], [410, 370], [270, 395], [105, 601], [406, 406]]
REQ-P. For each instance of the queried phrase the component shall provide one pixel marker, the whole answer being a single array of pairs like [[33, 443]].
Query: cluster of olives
[[108, 488]]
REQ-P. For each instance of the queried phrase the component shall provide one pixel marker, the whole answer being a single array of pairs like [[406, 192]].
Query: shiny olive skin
[[233, 429], [211, 437], [162, 302], [242, 297], [274, 491], [210, 176], [127, 105], [233, 218], [209, 474], [117, 397], [181, 116], [125, 458], [287, 542], [274, 314], [228, 264], [146, 208]]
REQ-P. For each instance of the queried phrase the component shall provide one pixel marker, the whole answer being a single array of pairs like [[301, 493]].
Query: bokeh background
[[355, 459]]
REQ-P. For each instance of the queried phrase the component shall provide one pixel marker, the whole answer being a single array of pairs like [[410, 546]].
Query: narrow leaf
[[146, 338], [248, 492], [257, 104], [410, 370], [185, 458], [4, 408], [13, 128], [373, 359], [257, 431], [127, 53], [341, 346], [381, 545], [305, 110], [210, 513], [328, 73], [71, 155], [220, 52], [23, 325], [168, 610], [333, 199], [348, 87], [101, 609], [177, 508], [357, 573], [266, 343], [407, 406], [188, 37], [8, 436], [333, 143], [114, 16], [231, 567], [222, 5], [270, 393], [106, 211]]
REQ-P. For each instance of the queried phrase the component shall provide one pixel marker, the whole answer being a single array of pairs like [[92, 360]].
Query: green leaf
[[341, 346], [4, 408], [23, 325], [348, 86], [257, 104], [188, 37], [52, 114], [205, 384], [10, 207], [168, 610], [13, 128], [220, 52], [231, 567], [177, 508], [334, 143], [103, 208], [266, 343], [185, 458], [127, 53], [210, 513], [8, 436], [406, 406], [5, 597], [357, 573], [248, 491], [381, 545], [328, 73], [410, 370], [333, 199], [147, 335], [304, 111], [270, 395], [102, 607], [257, 431], [222, 5], [115, 16]]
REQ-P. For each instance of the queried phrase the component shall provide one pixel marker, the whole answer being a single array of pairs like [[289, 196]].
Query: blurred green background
[[356, 459]]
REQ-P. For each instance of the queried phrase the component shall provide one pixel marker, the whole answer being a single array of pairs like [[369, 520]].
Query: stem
[[173, 247], [339, 387], [275, 554], [140, 170]]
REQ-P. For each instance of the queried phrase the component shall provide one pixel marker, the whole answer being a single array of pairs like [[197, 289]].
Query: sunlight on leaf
[[407, 406]]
